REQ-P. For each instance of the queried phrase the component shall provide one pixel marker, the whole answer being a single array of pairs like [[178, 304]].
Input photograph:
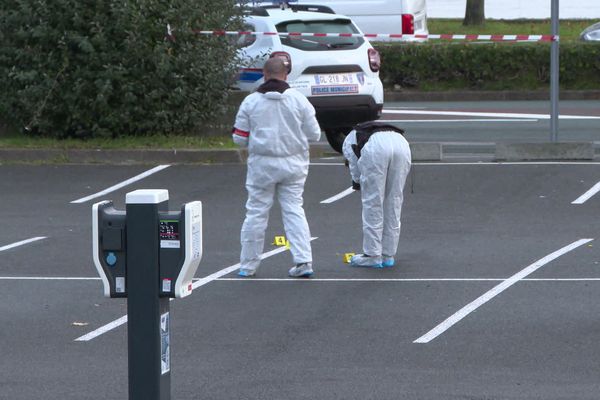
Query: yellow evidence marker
[[347, 257], [280, 241]]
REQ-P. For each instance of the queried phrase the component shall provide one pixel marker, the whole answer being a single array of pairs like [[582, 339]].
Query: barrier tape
[[493, 38]]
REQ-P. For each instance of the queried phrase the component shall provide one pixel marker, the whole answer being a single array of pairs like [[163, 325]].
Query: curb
[[421, 151], [120, 157], [544, 151], [236, 97], [483, 95]]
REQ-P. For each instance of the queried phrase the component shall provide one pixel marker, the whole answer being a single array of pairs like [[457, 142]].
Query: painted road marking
[[225, 271], [410, 280], [21, 243], [485, 114], [338, 196], [48, 278], [200, 282], [122, 184], [405, 108], [103, 329], [586, 196], [496, 290], [254, 279], [475, 163], [461, 120]]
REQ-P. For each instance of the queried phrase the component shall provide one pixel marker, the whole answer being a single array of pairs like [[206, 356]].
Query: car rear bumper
[[345, 111]]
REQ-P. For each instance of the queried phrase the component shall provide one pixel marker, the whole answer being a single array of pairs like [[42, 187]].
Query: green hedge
[[82, 68], [496, 66]]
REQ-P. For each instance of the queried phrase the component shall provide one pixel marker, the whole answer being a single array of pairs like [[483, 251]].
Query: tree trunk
[[475, 14]]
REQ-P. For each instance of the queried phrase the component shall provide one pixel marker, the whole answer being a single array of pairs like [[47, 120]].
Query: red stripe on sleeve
[[240, 132]]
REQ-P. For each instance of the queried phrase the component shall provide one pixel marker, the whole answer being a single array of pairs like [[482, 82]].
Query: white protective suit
[[276, 127], [381, 170]]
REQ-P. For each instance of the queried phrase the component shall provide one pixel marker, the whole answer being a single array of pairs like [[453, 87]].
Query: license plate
[[334, 79]]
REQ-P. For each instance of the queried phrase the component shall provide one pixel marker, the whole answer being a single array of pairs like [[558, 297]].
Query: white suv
[[338, 74]]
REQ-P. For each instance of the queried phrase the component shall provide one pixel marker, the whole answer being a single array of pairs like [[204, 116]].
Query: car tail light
[[374, 60], [408, 24], [287, 60]]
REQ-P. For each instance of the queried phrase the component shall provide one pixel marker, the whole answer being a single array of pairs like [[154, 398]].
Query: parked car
[[591, 33], [382, 16], [339, 75]]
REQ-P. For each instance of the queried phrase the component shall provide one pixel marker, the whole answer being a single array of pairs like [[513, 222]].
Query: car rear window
[[242, 41], [318, 43]]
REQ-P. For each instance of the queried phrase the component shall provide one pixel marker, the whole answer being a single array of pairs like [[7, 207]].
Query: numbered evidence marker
[[281, 241], [347, 257]]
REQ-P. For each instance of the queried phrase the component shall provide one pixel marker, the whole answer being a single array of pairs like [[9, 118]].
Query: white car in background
[[408, 17], [591, 33], [339, 75]]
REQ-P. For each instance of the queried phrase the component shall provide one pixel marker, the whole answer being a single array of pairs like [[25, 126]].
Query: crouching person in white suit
[[379, 160]]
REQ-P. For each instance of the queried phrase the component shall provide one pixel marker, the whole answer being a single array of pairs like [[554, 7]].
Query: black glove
[[346, 163], [355, 185]]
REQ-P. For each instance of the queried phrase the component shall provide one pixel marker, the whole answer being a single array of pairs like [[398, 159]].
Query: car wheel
[[336, 136]]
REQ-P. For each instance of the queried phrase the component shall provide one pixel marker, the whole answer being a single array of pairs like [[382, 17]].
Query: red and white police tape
[[493, 38], [399, 36]]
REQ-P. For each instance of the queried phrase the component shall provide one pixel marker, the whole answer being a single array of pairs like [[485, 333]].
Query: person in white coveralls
[[276, 124], [379, 160]]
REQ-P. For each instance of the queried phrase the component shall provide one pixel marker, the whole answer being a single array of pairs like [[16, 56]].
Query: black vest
[[366, 129]]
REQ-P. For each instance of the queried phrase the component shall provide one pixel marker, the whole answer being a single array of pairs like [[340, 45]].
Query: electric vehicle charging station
[[148, 255]]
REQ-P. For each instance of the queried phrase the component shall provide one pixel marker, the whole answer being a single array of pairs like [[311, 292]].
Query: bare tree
[[475, 14]]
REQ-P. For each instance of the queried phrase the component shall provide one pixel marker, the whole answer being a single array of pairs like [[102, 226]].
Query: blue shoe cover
[[361, 260], [246, 273], [387, 262]]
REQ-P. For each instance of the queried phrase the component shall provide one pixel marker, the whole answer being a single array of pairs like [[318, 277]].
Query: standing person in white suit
[[379, 160], [276, 123]]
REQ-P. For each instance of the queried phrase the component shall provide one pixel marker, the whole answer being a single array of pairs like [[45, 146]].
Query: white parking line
[[103, 329], [485, 114], [200, 282], [461, 120], [254, 279], [47, 278], [586, 196], [122, 184], [406, 108], [475, 163], [496, 290], [338, 196], [21, 243], [407, 279], [225, 271]]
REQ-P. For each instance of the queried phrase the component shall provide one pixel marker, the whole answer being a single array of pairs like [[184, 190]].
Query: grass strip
[[569, 30], [140, 142]]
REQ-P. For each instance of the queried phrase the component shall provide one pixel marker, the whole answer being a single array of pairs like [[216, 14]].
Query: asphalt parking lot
[[495, 294], [480, 122]]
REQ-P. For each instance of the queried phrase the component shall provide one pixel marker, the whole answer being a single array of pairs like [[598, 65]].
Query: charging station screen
[[169, 234]]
